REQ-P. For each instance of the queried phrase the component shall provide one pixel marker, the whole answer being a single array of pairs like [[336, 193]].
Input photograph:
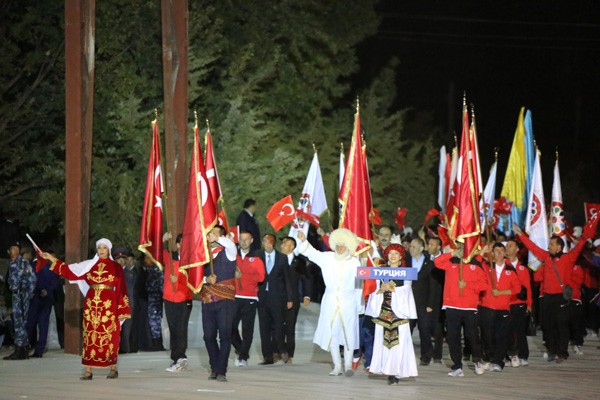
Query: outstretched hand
[[301, 236], [517, 230], [48, 256]]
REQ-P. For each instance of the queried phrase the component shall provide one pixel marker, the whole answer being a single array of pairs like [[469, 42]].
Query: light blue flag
[[529, 153]]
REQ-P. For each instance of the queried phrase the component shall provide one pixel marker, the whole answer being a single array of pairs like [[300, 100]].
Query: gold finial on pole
[[314, 148], [455, 140], [342, 147], [465, 98], [357, 105], [556, 151], [207, 124], [496, 150], [196, 117], [156, 114]]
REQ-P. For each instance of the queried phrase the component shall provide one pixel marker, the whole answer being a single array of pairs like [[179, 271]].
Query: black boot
[[157, 345], [13, 355], [24, 355]]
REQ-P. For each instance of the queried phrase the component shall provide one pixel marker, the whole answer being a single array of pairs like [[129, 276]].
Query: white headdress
[[83, 267], [344, 237]]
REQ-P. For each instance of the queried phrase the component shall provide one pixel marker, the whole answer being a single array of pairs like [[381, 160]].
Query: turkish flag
[[400, 218], [281, 213], [311, 218], [152, 217], [376, 217], [355, 194], [466, 217], [222, 219], [234, 234], [213, 181], [200, 218], [590, 210]]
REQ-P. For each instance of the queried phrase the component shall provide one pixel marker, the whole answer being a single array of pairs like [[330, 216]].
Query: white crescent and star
[[283, 208]]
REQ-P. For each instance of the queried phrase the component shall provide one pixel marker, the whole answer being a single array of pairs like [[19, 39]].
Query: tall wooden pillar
[[79, 71], [175, 81]]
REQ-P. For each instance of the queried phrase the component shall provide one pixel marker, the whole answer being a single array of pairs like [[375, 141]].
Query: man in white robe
[[338, 319]]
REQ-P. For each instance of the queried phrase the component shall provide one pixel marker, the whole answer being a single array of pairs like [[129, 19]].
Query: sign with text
[[386, 273]]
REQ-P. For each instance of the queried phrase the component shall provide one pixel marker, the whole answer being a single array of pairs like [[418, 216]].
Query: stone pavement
[[143, 376]]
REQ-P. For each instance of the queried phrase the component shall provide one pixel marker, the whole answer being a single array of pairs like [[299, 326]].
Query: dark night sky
[[544, 55]]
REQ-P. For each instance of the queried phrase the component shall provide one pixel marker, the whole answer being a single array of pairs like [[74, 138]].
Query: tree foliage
[[272, 77]]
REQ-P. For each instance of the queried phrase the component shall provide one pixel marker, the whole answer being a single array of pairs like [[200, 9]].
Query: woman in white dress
[[391, 307]]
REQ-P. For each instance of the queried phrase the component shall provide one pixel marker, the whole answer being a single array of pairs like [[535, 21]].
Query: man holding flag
[[555, 274]]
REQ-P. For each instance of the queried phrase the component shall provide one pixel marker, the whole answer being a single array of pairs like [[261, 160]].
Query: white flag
[[442, 195], [536, 221], [312, 200], [489, 193], [557, 214]]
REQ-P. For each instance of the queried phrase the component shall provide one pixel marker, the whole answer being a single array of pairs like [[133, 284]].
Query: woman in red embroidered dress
[[106, 306]]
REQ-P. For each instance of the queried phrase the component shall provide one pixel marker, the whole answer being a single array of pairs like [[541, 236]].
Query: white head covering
[[82, 268], [344, 237]]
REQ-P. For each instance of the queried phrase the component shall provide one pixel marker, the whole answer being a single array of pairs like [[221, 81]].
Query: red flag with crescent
[[281, 213], [152, 217], [590, 210], [200, 218], [355, 193]]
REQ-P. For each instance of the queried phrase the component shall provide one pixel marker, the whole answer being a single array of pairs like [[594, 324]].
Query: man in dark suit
[[274, 297], [301, 285], [426, 292], [247, 222]]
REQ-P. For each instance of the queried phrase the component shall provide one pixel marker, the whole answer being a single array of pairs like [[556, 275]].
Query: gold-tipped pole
[[314, 148], [357, 105]]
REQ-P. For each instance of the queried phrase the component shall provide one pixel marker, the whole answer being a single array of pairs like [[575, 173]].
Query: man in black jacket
[[247, 222], [427, 295], [274, 297], [301, 285]]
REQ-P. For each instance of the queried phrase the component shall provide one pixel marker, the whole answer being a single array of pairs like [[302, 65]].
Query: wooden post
[[175, 80], [79, 78]]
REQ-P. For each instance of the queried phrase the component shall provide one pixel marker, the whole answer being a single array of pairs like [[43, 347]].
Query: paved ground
[[143, 376]]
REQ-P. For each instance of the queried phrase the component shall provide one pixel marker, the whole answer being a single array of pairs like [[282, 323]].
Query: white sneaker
[[479, 368], [514, 361], [178, 366], [577, 350], [172, 368], [243, 363], [485, 365], [236, 362], [524, 362], [496, 368], [456, 373], [336, 371], [545, 355]]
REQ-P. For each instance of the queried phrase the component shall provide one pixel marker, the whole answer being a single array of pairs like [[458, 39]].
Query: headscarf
[[399, 248], [83, 267]]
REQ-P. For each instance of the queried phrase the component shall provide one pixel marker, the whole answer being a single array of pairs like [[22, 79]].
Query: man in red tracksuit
[[520, 308], [555, 308], [576, 320], [461, 296], [495, 306], [250, 272]]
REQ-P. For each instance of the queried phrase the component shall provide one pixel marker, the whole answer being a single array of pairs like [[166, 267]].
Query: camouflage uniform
[[21, 281], [154, 286]]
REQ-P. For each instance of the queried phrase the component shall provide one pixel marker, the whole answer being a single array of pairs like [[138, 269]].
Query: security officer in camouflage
[[154, 287], [21, 282]]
